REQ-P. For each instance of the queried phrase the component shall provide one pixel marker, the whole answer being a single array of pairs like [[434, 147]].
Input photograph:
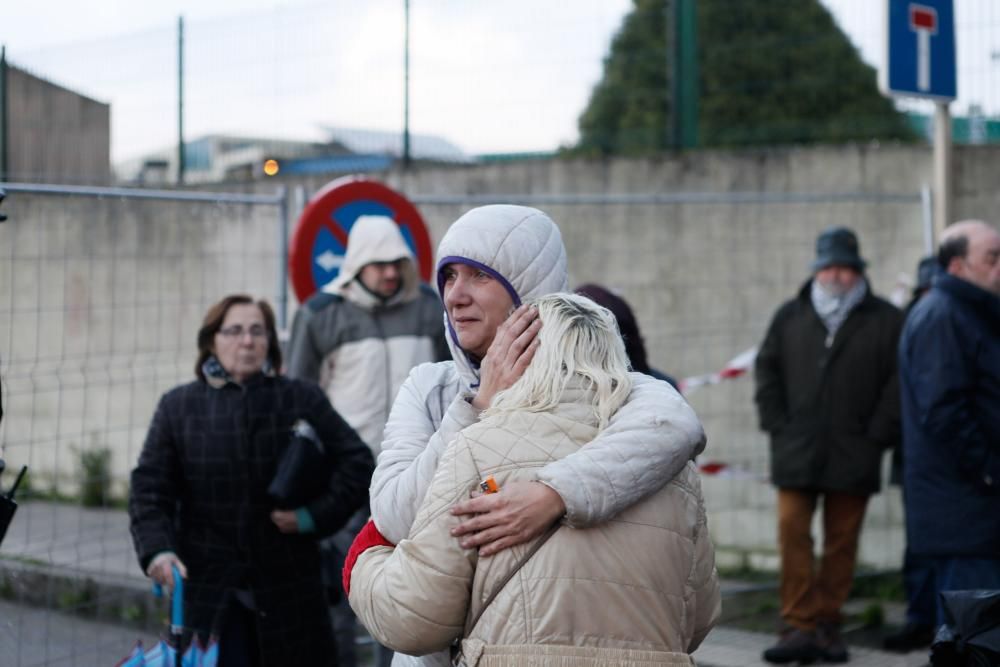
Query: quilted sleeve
[[155, 484], [707, 598], [647, 442], [412, 444], [414, 598]]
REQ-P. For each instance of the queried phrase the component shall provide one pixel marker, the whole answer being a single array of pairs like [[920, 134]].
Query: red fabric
[[712, 467], [368, 537]]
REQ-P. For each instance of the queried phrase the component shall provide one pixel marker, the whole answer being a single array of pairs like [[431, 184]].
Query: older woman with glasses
[[199, 498]]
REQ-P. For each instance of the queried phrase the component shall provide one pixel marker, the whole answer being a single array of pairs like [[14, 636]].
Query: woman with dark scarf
[[199, 500]]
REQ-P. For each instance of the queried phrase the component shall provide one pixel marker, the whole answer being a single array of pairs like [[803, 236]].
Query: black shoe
[[831, 644], [910, 638], [794, 645]]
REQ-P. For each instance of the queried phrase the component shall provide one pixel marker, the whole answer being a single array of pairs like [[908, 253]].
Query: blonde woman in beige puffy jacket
[[638, 589]]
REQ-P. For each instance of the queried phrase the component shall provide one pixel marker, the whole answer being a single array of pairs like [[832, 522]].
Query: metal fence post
[[283, 258]]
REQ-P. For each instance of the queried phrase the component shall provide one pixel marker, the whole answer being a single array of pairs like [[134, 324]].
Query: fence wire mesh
[[102, 296]]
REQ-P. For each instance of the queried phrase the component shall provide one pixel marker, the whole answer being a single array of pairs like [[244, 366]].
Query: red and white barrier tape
[[737, 367], [721, 469]]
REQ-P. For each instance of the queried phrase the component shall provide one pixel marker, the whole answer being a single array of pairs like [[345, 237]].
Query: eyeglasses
[[237, 331]]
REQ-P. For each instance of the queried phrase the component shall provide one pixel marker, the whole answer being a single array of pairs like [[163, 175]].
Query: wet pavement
[[61, 565]]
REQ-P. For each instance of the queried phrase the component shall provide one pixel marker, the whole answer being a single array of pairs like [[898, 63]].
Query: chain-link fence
[[102, 294], [704, 273], [103, 291]]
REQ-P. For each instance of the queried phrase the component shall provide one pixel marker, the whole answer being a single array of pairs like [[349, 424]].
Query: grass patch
[[79, 600], [95, 476], [746, 573], [873, 616], [132, 613], [885, 586]]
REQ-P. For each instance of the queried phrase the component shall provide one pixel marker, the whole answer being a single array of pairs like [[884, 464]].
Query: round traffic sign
[[319, 241]]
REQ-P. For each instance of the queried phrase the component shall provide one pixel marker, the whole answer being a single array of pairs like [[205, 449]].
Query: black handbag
[[970, 636], [304, 470]]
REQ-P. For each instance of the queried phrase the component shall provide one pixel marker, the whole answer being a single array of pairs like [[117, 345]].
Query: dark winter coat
[[199, 490], [949, 361], [830, 411]]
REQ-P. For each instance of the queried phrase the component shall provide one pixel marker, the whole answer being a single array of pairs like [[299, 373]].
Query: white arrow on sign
[[923, 21], [328, 261]]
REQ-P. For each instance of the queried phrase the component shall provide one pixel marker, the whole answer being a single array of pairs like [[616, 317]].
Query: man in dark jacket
[[827, 393], [917, 573], [949, 359]]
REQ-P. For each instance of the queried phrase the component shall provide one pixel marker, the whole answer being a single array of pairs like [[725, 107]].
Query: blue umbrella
[[168, 653], [161, 655]]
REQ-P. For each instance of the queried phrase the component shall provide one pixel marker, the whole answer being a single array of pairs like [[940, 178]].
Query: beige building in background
[[50, 134]]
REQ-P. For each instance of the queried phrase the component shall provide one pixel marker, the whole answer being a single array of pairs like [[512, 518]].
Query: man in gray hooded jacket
[[358, 338]]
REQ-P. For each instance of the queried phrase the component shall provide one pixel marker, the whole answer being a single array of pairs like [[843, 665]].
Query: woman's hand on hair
[[509, 354], [519, 512]]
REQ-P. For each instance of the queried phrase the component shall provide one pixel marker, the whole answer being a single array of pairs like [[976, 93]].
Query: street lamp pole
[[406, 84]]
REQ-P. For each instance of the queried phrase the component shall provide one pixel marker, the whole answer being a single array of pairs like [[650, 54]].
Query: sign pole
[[920, 41], [942, 167]]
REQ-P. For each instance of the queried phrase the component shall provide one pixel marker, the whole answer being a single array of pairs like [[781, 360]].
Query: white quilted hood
[[520, 246], [375, 238]]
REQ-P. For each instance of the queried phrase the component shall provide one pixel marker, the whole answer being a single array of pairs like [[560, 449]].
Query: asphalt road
[[33, 637]]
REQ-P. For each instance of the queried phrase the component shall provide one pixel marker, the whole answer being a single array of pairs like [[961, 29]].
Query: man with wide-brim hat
[[828, 396]]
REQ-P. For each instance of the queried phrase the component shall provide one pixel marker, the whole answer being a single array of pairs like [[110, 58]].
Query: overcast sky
[[490, 76]]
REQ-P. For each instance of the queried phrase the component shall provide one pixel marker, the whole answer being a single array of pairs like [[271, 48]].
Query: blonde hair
[[579, 340]]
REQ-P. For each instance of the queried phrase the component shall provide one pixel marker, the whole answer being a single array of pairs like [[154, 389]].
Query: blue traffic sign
[[921, 49], [319, 242]]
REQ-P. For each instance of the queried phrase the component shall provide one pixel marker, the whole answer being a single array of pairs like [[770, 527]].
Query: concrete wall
[[103, 297], [100, 302], [55, 135], [704, 280]]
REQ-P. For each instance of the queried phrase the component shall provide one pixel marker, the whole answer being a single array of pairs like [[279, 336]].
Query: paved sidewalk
[[728, 647], [50, 542], [92, 542], [30, 637]]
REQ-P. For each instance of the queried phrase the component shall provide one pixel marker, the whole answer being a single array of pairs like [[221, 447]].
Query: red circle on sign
[[319, 214]]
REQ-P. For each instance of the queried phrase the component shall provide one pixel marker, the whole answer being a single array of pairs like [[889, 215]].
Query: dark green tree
[[770, 72]]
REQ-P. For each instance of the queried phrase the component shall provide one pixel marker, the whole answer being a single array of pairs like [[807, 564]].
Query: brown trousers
[[809, 595]]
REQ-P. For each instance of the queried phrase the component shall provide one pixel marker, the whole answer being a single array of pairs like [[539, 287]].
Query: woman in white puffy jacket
[[490, 261], [638, 589]]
